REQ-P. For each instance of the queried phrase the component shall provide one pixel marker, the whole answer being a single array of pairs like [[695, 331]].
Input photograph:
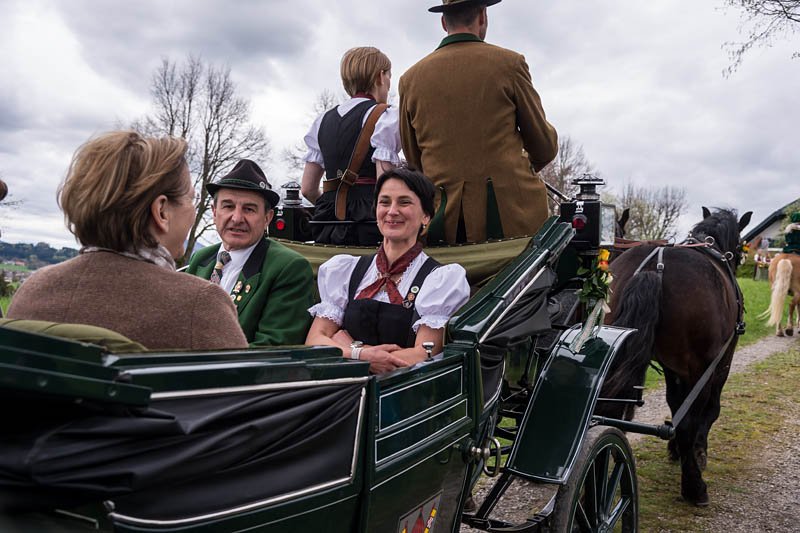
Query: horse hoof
[[789, 332], [700, 500], [779, 334]]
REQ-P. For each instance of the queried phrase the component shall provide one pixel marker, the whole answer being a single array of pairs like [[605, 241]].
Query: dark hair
[[416, 181], [462, 15]]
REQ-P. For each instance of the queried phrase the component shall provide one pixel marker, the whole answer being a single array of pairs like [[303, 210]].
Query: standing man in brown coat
[[469, 115]]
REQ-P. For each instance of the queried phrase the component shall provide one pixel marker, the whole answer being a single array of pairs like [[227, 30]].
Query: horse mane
[[723, 226]]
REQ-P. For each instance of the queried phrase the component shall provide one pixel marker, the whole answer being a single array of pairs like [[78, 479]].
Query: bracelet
[[355, 352]]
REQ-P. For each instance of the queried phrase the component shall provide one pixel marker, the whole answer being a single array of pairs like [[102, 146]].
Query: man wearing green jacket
[[270, 285]]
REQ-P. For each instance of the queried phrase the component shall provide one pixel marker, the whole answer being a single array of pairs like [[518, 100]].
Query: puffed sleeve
[[333, 280], [314, 154], [444, 291], [386, 138]]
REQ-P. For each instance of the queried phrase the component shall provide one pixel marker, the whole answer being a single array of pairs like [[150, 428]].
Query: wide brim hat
[[452, 4], [248, 176]]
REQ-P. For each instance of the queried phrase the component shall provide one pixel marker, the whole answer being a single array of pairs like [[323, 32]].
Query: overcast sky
[[638, 84]]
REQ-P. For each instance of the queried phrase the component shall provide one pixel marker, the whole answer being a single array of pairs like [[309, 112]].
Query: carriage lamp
[[291, 193], [588, 185]]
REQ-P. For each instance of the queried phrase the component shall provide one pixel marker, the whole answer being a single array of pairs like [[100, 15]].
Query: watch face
[[356, 344]]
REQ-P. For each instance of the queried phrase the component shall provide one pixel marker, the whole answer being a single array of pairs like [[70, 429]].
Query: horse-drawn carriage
[[298, 439]]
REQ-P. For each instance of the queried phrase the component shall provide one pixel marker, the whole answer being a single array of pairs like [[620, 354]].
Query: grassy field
[[4, 301], [13, 268], [754, 405]]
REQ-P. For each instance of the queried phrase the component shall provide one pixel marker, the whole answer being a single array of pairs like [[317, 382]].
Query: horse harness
[[705, 246]]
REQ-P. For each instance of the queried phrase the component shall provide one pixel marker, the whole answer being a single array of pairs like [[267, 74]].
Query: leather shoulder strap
[[362, 144]]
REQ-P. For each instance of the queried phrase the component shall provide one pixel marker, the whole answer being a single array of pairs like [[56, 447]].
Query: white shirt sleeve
[[444, 291], [333, 280], [386, 138], [314, 154]]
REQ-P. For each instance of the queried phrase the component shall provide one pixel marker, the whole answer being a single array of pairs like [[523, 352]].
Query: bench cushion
[[110, 340]]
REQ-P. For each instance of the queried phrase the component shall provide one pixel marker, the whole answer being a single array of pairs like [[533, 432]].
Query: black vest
[[337, 139], [374, 322]]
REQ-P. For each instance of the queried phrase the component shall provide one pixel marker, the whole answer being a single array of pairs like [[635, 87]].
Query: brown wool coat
[[467, 111], [156, 307]]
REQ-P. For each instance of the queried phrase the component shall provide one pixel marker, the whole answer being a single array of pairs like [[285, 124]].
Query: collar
[[459, 38], [239, 257]]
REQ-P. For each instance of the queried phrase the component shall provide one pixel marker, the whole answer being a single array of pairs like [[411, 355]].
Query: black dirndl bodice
[[337, 140], [374, 322]]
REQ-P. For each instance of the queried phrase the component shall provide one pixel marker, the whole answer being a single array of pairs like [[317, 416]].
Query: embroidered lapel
[[250, 276]]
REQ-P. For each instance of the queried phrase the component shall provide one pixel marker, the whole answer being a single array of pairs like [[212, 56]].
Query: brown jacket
[[467, 111], [156, 307]]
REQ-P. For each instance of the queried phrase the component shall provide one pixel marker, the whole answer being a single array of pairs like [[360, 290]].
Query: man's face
[[241, 217]]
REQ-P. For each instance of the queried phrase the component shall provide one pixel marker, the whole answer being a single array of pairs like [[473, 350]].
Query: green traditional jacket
[[272, 295]]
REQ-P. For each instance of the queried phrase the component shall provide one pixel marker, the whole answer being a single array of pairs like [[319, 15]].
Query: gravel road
[[771, 501]]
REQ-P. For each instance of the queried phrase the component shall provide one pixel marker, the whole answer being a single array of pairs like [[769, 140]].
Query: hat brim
[[446, 7], [271, 196]]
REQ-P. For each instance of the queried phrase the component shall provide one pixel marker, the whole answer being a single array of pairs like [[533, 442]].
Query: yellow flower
[[603, 255]]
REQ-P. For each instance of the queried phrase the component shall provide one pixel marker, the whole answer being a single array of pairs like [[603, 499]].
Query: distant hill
[[34, 255]]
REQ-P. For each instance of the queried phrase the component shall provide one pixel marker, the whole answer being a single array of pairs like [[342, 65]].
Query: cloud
[[638, 84]]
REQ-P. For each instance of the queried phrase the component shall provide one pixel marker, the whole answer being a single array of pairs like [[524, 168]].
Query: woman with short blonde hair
[[332, 141], [129, 200]]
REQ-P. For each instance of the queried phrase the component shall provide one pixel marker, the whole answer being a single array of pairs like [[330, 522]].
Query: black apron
[[337, 139], [374, 322]]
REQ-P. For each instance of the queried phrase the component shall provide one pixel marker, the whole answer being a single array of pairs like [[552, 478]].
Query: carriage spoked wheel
[[601, 494]]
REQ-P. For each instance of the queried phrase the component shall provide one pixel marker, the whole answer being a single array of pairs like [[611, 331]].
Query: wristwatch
[[355, 349]]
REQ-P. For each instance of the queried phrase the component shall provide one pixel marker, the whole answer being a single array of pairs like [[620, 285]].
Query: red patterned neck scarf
[[385, 273]]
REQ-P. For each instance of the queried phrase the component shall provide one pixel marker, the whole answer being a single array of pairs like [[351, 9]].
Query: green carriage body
[[380, 454]]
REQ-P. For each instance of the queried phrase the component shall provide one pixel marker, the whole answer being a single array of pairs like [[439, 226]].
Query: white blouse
[[385, 139], [442, 293]]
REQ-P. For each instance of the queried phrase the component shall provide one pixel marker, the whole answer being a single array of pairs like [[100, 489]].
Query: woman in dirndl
[[350, 145], [382, 307]]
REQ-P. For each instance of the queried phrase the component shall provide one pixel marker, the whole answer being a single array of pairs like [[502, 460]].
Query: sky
[[639, 85]]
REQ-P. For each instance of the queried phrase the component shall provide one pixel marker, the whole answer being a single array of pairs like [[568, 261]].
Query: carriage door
[[419, 428]]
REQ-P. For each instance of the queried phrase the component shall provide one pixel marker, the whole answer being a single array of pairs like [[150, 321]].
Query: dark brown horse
[[686, 315]]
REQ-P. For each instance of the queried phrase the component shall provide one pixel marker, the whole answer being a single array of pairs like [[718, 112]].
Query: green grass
[[4, 301], [13, 268], [754, 408]]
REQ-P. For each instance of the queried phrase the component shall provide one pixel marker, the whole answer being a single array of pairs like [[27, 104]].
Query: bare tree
[[294, 155], [570, 163], [198, 101], [654, 212], [764, 20]]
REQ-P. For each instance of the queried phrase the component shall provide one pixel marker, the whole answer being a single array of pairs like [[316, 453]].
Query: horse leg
[[693, 488], [790, 322], [676, 393]]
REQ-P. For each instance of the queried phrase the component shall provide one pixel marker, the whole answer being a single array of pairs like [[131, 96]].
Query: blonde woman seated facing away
[[129, 200], [382, 308]]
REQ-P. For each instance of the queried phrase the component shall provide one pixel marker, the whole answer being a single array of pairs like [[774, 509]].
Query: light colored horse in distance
[[784, 278]]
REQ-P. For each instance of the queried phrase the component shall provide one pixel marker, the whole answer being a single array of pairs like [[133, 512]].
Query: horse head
[[619, 231], [724, 228]]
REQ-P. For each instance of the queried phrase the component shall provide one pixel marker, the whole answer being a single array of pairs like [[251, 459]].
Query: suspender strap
[[427, 267], [349, 176], [358, 274]]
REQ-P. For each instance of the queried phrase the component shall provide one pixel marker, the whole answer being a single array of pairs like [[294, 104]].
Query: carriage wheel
[[601, 494]]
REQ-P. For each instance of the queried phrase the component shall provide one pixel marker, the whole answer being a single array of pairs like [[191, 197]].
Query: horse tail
[[780, 288], [639, 307]]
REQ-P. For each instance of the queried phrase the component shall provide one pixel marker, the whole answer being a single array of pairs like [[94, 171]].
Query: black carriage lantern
[[291, 193], [592, 220], [291, 216]]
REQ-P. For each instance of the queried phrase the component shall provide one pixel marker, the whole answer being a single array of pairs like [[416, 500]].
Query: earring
[[424, 226]]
